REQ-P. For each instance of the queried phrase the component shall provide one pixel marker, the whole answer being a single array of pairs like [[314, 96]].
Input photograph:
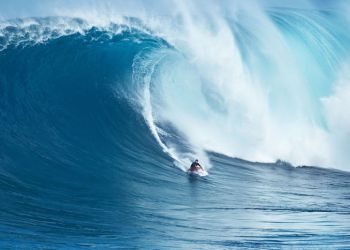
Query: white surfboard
[[199, 172]]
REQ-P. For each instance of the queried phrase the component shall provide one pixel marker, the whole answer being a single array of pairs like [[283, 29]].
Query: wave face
[[99, 119]]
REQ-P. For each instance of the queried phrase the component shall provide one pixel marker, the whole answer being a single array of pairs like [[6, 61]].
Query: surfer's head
[[196, 160]]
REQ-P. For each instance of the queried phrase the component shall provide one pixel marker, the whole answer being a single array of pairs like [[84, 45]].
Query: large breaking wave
[[201, 82], [100, 109]]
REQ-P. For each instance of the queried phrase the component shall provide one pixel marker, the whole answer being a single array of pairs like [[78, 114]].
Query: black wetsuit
[[194, 166]]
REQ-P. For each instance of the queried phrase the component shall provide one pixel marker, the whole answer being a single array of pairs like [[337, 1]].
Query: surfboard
[[200, 172]]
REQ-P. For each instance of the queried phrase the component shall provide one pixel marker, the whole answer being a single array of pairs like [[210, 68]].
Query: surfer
[[195, 166]]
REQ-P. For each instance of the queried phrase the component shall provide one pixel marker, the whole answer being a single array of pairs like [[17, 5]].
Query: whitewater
[[105, 104]]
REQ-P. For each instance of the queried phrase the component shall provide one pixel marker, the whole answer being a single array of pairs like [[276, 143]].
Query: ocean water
[[101, 115]]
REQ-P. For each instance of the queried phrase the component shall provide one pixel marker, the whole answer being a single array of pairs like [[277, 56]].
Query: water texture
[[101, 115]]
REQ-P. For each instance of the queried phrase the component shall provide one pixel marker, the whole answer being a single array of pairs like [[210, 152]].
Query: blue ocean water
[[99, 123]]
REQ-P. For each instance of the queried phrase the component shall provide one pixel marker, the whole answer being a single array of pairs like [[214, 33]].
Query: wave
[[95, 113], [233, 88]]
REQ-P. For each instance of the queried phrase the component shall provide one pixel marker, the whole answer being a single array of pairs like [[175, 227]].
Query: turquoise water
[[98, 124]]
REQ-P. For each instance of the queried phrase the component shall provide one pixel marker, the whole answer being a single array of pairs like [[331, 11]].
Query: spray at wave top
[[247, 81], [260, 85]]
